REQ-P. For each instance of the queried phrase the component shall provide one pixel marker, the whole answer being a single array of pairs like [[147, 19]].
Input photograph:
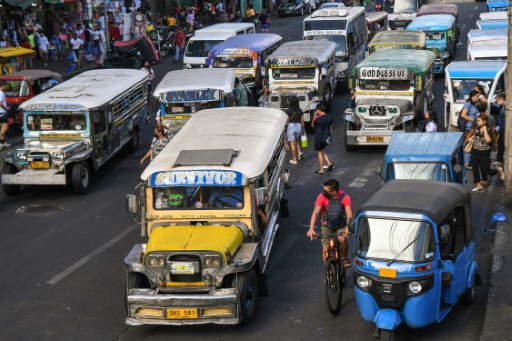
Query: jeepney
[[182, 93], [442, 36], [397, 40], [488, 44], [76, 127], [491, 24], [304, 69], [393, 89], [403, 12], [462, 76], [210, 206], [375, 22], [246, 57], [497, 5]]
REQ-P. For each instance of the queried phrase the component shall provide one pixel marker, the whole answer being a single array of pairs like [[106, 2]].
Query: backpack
[[250, 97], [335, 214]]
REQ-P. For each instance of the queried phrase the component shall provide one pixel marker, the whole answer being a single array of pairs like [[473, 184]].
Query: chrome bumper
[[35, 177], [360, 137]]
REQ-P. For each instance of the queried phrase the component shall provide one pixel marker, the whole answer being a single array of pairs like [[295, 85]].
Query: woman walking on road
[[469, 113], [323, 137], [295, 129]]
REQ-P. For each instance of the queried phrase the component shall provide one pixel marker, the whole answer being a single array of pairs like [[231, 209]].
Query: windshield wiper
[[400, 253]]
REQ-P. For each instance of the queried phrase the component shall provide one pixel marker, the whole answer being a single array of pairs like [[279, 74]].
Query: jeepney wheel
[[134, 280], [387, 335], [133, 144], [421, 104], [246, 284], [349, 126], [470, 294], [409, 126], [11, 189], [325, 90], [81, 177]]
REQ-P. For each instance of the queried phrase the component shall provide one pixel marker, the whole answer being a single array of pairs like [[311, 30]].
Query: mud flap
[[387, 319]]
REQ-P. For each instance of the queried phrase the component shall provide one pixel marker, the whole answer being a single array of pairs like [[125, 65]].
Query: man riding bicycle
[[336, 209]]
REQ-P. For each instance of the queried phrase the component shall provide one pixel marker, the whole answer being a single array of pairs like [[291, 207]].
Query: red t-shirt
[[323, 202]]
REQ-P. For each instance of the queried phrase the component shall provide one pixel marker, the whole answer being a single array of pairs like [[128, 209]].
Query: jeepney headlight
[[188, 66], [301, 98], [157, 261], [58, 155], [363, 282], [393, 110], [21, 155], [415, 287], [361, 109], [213, 261], [274, 99]]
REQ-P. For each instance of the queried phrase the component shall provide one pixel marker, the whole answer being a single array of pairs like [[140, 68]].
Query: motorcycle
[[237, 18], [132, 58]]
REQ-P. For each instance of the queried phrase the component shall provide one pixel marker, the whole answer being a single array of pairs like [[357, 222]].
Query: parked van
[[210, 204], [462, 76], [488, 44], [491, 24], [442, 36], [182, 93], [497, 5], [397, 40], [246, 57], [201, 43], [421, 156], [76, 127], [346, 27]]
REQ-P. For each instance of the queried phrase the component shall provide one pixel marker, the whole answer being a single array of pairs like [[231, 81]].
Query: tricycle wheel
[[246, 284], [387, 335], [469, 295], [11, 189], [108, 63]]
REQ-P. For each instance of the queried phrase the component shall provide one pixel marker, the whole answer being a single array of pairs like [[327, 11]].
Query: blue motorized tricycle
[[414, 254]]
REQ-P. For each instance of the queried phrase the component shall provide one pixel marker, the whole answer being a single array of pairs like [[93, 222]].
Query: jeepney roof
[[195, 79], [434, 199], [479, 35], [416, 60], [417, 39], [254, 132], [372, 17], [432, 22], [437, 9], [322, 50], [492, 24], [422, 147], [91, 89], [256, 42], [493, 49], [34, 74], [475, 69], [493, 15], [222, 28], [338, 13]]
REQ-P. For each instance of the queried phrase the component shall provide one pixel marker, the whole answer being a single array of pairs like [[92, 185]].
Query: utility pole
[[508, 119]]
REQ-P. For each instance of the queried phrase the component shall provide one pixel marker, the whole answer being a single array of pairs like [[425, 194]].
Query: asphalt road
[[62, 270]]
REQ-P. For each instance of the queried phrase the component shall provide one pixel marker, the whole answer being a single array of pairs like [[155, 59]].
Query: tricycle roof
[[6, 52], [416, 60], [194, 79], [432, 22], [475, 69], [492, 24], [90, 89], [322, 50], [433, 199], [33, 74], [416, 39], [437, 9], [422, 147], [253, 132], [493, 15], [256, 42], [479, 35]]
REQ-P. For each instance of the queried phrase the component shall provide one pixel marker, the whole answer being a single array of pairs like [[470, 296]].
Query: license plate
[[40, 164], [177, 109], [390, 273], [182, 313], [374, 138], [182, 268]]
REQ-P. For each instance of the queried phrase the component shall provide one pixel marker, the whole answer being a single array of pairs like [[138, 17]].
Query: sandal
[[318, 172], [346, 263], [301, 156], [330, 168]]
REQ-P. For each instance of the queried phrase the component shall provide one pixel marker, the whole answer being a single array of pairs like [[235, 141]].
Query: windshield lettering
[[190, 95], [190, 178]]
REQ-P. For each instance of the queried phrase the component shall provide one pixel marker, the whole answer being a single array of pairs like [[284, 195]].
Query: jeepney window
[[198, 197], [17, 89], [200, 48], [402, 240], [435, 35], [436, 171], [339, 40], [325, 25], [233, 62], [391, 85], [294, 73], [462, 87], [56, 121]]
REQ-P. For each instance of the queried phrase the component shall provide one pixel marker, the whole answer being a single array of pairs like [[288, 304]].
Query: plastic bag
[[498, 217]]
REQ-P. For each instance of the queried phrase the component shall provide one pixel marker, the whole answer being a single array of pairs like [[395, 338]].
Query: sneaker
[[293, 162], [477, 189]]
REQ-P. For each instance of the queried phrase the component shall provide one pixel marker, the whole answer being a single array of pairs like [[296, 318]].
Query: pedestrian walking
[[264, 21], [295, 129], [190, 21], [76, 43], [431, 116], [178, 43], [323, 137], [501, 99], [157, 145], [3, 116], [467, 115], [43, 47], [27, 58], [240, 94]]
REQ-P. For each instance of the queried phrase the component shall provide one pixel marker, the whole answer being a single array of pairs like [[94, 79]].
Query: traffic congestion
[[192, 197]]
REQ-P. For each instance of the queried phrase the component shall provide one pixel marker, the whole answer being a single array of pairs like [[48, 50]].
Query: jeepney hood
[[223, 239], [67, 146], [295, 90]]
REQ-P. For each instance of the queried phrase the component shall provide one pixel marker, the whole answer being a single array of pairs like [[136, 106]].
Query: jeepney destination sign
[[324, 32], [54, 107], [191, 96], [233, 53], [196, 178], [292, 62], [383, 73]]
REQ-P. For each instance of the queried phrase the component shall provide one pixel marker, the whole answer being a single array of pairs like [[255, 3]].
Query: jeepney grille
[[285, 101], [197, 277], [377, 110]]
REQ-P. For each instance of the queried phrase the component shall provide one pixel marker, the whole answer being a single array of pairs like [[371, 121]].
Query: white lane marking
[[362, 179], [282, 250], [91, 255]]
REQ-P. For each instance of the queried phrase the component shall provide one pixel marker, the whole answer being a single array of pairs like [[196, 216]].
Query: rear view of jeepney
[[302, 69], [200, 204], [393, 90], [404, 11]]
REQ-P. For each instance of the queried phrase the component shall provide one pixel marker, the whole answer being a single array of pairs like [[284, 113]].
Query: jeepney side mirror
[[444, 233], [230, 101], [261, 193], [457, 168], [378, 170], [131, 203]]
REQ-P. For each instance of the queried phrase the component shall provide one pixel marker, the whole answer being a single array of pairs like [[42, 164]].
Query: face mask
[[326, 194]]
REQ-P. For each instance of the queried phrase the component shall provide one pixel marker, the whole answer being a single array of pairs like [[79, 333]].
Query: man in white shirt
[[43, 47], [3, 116], [76, 43], [219, 7]]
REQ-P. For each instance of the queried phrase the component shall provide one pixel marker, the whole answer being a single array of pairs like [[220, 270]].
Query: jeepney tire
[[409, 126], [349, 126], [11, 189], [133, 144], [246, 284], [134, 280], [387, 335], [470, 294], [325, 91], [81, 177], [420, 104], [108, 63]]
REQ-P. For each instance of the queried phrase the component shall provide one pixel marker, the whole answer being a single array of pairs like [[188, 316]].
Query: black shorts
[[319, 146], [3, 119]]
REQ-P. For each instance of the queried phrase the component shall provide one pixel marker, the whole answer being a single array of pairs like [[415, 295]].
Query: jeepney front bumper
[[280, 99]]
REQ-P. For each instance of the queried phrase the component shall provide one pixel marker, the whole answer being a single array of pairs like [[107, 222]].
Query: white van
[[200, 44]]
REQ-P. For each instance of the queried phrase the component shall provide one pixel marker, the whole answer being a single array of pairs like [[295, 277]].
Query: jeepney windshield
[[17, 89], [462, 87], [198, 197], [406, 6], [187, 108], [437, 171], [325, 25], [384, 84], [233, 62], [293, 73], [200, 48], [402, 240], [48, 121], [435, 36], [339, 40]]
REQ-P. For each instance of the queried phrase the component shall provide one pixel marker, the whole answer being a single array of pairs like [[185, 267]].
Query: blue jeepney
[[491, 24], [442, 35], [422, 156], [245, 56], [462, 76], [497, 5]]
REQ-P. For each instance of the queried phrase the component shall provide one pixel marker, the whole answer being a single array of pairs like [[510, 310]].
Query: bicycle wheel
[[333, 286]]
